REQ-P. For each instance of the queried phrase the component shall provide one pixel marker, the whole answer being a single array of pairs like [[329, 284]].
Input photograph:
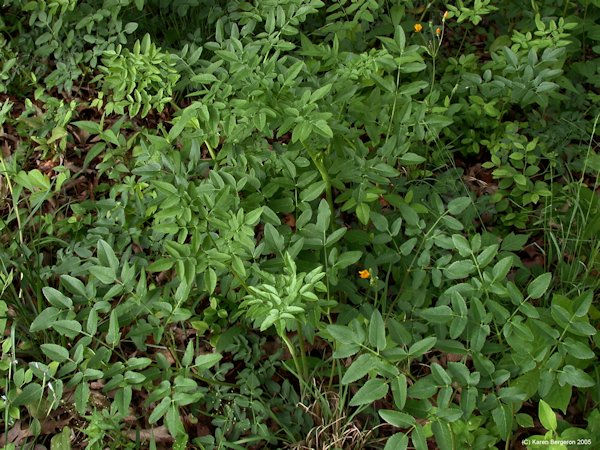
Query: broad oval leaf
[[372, 390], [359, 368]]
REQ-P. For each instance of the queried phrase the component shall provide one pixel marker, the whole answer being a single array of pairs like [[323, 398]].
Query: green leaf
[[57, 298], [510, 56], [407, 246], [113, 336], [30, 394], [107, 256], [377, 331], [408, 214], [559, 396], [55, 352], [575, 377], [323, 129], [398, 441], [203, 78], [372, 390], [253, 216], [547, 416], [418, 438], [502, 267], [461, 244], [105, 275], [45, 319], [62, 440], [514, 242], [583, 303], [520, 179], [437, 314], [459, 269], [188, 355], [160, 265], [323, 216], [132, 377], [206, 361], [89, 126], [210, 280], [69, 328], [174, 423], [468, 401], [423, 388], [397, 418], [160, 410], [409, 159], [443, 435], [525, 420], [130, 27], [342, 334], [312, 191], [440, 375], [82, 395], [503, 419], [238, 266], [273, 238], [539, 286], [335, 236], [399, 388], [348, 258], [400, 37], [452, 223], [91, 325], [421, 347], [487, 255], [359, 368], [73, 285], [458, 205], [320, 93], [578, 349], [363, 212]]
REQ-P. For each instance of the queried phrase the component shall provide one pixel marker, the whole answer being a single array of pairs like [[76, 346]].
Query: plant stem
[[297, 363], [432, 74], [318, 162], [302, 352], [20, 228], [564, 13], [212, 153]]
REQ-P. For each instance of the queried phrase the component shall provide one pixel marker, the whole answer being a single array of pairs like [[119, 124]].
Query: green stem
[[318, 162], [15, 202], [19, 227], [387, 134], [432, 73], [212, 153], [409, 269], [302, 352], [564, 13], [297, 363]]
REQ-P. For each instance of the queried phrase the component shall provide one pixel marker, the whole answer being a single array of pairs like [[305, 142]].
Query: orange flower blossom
[[364, 274]]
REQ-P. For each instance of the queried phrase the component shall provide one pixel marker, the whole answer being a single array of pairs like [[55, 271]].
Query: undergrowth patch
[[359, 224]]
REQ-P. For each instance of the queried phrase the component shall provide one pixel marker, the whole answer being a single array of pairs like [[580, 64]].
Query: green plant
[[300, 224], [137, 80], [287, 301], [7, 64]]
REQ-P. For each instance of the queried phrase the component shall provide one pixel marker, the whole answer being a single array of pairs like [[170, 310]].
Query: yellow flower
[[418, 27], [364, 274], [438, 31], [445, 16]]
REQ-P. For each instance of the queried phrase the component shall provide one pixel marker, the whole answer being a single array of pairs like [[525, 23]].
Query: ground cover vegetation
[[356, 224]]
